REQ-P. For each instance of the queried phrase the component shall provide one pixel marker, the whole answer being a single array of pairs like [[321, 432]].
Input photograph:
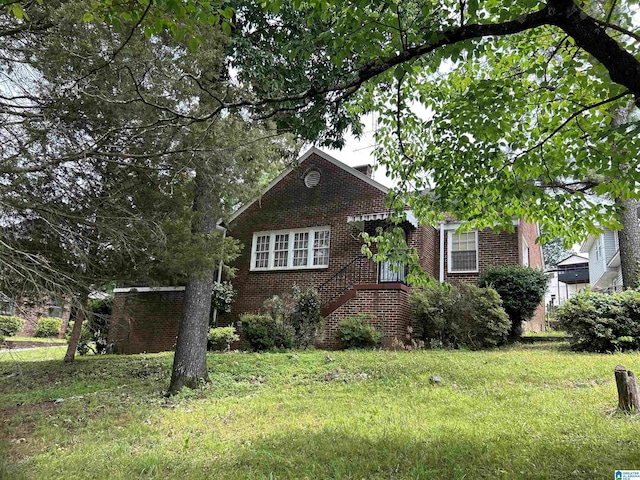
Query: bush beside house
[[357, 332], [521, 290], [265, 332], [464, 317], [601, 322], [221, 338], [10, 325], [48, 327]]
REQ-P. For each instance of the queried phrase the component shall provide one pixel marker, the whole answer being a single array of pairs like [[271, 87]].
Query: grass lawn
[[523, 412], [548, 333]]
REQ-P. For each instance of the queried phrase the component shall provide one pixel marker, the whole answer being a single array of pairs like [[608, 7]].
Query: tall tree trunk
[[629, 210], [190, 359], [77, 329], [629, 238]]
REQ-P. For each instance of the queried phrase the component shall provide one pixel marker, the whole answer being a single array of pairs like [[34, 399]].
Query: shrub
[[431, 312], [481, 320], [521, 289], [469, 317], [10, 325], [222, 296], [48, 327], [305, 318], [299, 311], [264, 332], [96, 327], [357, 332], [599, 322], [221, 338]]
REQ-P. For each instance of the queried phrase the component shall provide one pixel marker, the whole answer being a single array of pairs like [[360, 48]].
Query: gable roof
[[300, 161], [573, 259]]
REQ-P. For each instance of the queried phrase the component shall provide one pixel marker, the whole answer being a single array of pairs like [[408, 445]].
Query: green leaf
[[87, 17], [226, 28]]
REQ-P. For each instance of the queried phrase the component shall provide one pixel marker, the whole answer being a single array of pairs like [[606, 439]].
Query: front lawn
[[516, 413]]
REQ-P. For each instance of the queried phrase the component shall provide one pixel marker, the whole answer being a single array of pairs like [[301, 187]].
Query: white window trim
[[525, 248], [291, 233], [450, 245]]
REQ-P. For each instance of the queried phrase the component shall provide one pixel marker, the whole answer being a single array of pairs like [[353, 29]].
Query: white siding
[[597, 263]]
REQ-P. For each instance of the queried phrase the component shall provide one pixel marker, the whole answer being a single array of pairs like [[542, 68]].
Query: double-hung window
[[463, 252], [291, 249]]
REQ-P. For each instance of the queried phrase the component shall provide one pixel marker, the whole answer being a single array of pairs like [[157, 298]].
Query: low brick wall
[[387, 304], [145, 321]]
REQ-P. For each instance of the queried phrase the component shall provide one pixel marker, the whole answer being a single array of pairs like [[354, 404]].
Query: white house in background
[[569, 277], [605, 271]]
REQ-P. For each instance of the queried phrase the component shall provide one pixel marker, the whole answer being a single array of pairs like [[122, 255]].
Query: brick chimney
[[366, 169]]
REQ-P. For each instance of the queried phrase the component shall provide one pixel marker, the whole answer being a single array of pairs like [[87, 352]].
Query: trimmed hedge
[[521, 289], [48, 327], [601, 322], [10, 325]]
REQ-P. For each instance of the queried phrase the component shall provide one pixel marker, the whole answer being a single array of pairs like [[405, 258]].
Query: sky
[[359, 151]]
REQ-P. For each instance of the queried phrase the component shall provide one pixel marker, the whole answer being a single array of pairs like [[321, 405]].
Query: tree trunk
[[190, 359], [628, 396], [77, 329], [629, 238], [629, 210]]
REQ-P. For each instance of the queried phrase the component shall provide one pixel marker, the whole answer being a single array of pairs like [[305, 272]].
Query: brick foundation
[[387, 306]]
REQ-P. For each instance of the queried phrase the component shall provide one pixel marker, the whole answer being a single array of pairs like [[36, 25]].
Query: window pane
[[321, 248], [262, 251], [301, 249], [464, 255], [281, 250], [463, 261]]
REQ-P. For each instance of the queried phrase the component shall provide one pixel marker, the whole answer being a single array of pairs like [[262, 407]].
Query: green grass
[[36, 339], [515, 413], [548, 333]]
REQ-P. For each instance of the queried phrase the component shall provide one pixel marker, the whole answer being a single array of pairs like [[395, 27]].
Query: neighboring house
[[305, 230], [31, 311], [569, 277], [605, 272]]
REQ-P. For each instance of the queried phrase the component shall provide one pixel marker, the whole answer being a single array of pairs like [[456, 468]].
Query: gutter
[[441, 252]]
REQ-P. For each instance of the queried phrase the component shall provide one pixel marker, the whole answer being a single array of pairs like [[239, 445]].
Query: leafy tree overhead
[[501, 108], [104, 177], [554, 251]]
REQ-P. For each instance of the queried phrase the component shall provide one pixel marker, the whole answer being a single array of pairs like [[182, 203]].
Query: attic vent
[[312, 178]]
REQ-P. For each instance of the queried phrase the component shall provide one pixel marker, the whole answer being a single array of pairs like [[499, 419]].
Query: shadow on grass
[[335, 454], [422, 455]]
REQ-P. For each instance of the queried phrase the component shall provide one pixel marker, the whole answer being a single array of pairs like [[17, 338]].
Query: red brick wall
[[33, 311], [425, 240], [529, 232], [388, 309], [494, 249], [290, 204], [145, 321]]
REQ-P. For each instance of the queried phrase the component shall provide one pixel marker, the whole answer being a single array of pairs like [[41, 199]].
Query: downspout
[[220, 265], [441, 252]]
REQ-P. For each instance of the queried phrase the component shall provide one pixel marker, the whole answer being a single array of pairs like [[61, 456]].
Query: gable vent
[[312, 178]]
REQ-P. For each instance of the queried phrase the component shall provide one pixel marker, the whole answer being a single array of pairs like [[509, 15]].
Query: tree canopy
[[497, 109]]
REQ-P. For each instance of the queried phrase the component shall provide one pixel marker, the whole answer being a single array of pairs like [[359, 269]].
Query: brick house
[[304, 230], [31, 311]]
